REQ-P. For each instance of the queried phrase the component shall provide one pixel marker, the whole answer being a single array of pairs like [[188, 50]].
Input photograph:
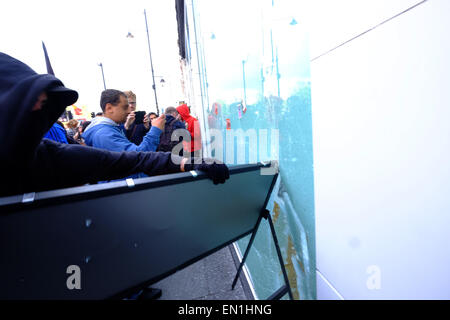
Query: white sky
[[80, 34]]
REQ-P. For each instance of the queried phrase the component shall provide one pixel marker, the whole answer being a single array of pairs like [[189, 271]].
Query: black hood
[[22, 129]]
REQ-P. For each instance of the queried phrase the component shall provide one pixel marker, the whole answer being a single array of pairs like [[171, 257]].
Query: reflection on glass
[[258, 107]]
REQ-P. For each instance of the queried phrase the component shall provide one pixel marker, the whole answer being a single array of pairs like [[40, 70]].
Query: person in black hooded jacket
[[30, 103]]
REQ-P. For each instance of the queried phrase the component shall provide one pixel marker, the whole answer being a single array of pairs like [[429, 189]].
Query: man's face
[[119, 112], [152, 117], [132, 104]]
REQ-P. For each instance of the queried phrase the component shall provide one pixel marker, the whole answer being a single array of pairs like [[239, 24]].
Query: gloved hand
[[216, 171]]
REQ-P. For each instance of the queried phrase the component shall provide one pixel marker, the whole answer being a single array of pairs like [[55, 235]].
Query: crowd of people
[[140, 136], [40, 154]]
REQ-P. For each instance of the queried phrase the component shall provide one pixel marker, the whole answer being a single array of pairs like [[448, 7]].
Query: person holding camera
[[106, 133], [138, 123]]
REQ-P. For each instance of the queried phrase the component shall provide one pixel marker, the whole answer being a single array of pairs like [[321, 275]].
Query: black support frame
[[265, 214]]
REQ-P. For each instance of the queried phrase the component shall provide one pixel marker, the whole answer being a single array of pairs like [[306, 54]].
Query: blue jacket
[[56, 133], [104, 133]]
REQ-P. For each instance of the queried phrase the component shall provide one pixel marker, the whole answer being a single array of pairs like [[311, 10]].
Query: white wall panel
[[333, 22], [381, 113], [326, 290]]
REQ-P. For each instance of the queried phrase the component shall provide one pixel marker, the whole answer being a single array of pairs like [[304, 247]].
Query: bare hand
[[146, 122], [159, 122], [130, 120]]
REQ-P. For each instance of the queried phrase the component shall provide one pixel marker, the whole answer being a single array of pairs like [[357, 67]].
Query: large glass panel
[[254, 71]]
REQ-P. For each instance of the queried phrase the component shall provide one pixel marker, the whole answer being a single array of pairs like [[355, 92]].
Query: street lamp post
[[103, 75], [151, 63]]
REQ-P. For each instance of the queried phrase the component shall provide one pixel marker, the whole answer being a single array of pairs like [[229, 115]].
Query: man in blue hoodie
[[106, 132]]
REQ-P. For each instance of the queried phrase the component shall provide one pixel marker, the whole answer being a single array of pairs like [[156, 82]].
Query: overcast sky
[[80, 34]]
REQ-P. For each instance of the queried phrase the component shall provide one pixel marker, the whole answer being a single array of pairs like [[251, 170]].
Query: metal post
[[151, 62], [103, 75]]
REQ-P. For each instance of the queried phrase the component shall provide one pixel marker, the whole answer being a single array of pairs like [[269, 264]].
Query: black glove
[[217, 172]]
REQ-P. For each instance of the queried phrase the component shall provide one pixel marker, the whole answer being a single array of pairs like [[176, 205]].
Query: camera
[[139, 117]]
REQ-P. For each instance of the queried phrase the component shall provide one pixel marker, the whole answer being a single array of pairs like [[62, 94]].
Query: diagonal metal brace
[[265, 214]]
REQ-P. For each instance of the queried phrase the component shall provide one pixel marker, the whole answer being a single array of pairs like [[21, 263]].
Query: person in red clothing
[[193, 126]]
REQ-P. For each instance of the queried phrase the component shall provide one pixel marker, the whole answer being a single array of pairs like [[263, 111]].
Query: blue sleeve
[[150, 141], [113, 140]]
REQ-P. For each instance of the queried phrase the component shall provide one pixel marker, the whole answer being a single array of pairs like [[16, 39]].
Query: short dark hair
[[110, 96], [152, 113], [170, 110]]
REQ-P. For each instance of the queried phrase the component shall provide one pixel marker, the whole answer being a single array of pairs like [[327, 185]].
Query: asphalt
[[208, 279]]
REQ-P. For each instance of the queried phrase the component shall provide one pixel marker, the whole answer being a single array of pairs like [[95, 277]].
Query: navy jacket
[[29, 163], [165, 142], [136, 133]]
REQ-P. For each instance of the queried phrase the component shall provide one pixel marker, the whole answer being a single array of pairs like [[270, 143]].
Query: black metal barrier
[[110, 240]]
